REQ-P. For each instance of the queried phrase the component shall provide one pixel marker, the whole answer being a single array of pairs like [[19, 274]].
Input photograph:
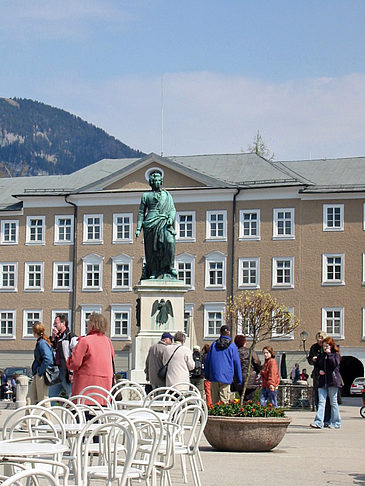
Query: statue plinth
[[161, 309]]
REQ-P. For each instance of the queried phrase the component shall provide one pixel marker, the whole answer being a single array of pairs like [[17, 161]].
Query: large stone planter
[[250, 434]]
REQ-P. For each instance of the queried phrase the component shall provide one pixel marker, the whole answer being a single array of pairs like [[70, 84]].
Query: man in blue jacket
[[222, 364]]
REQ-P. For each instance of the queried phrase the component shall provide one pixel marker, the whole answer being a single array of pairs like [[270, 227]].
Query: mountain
[[38, 139]]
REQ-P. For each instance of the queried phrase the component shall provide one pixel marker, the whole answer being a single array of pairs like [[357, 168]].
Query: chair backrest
[[125, 391], [68, 412], [187, 388], [118, 442], [162, 398], [191, 415], [133, 385], [34, 421], [32, 476], [103, 396], [151, 431]]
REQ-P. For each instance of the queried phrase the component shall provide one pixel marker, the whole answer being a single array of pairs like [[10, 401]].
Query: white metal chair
[[132, 385], [187, 388], [32, 476], [118, 444], [162, 398], [106, 398], [66, 409], [191, 415]]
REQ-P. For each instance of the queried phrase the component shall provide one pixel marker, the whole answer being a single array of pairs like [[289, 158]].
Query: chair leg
[[200, 460], [183, 468], [194, 470]]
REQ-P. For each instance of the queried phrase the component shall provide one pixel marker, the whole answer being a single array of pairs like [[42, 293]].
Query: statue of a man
[[156, 216]]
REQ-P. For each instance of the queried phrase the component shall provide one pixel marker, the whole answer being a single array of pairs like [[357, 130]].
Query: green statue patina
[[156, 216]]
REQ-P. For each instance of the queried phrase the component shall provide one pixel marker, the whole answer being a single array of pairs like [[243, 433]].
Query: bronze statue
[[156, 216], [163, 310]]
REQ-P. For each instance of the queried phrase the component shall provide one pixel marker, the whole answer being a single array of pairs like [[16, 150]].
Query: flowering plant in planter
[[248, 409]]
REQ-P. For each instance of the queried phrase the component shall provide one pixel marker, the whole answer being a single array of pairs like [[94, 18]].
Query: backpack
[[198, 370]]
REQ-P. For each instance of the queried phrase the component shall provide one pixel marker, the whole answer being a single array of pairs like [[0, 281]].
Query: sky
[[292, 69]]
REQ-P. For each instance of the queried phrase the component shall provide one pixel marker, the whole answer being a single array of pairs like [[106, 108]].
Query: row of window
[[120, 320], [333, 272], [216, 226]]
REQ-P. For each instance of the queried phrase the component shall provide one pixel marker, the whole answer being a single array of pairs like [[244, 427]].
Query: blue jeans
[[269, 396], [335, 420], [55, 390]]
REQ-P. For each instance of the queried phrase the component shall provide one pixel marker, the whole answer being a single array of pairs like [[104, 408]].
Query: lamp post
[[303, 337]]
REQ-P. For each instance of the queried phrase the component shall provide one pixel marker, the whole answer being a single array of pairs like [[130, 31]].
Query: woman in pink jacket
[[92, 358]]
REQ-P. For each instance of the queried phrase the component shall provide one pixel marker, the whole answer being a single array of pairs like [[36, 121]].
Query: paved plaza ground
[[304, 457]]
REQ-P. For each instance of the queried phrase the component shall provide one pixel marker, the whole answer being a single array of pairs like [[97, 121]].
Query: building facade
[[295, 229]]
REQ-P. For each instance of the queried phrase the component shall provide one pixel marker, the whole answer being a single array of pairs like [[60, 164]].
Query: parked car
[[357, 385], [17, 370]]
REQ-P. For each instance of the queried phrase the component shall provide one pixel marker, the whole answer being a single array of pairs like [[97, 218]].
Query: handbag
[[52, 375], [162, 372]]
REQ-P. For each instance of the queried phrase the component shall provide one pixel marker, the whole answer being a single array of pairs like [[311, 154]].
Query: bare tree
[[260, 148], [260, 315]]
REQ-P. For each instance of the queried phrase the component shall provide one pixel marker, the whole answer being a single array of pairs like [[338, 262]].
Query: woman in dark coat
[[243, 351], [328, 364]]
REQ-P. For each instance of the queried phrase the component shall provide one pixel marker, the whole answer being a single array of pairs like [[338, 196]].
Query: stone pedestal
[[150, 291]]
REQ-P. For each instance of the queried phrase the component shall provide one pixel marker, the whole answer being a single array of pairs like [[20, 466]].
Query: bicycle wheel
[[362, 412]]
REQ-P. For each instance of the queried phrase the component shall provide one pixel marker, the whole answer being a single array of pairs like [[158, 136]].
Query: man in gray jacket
[[154, 360]]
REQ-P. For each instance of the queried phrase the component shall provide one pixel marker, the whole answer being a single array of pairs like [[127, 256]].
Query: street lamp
[[303, 337]]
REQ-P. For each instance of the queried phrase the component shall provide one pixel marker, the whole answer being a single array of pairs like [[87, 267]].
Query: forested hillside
[[36, 138]]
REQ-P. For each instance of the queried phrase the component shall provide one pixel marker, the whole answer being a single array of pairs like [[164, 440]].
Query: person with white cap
[[154, 360]]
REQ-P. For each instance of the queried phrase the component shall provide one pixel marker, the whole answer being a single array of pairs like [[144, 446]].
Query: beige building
[[296, 229]]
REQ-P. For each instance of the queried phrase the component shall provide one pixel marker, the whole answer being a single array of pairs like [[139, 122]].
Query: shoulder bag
[[162, 372], [52, 375]]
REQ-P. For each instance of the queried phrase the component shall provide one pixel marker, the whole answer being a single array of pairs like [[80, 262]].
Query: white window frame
[[117, 240], [186, 258], [55, 273], [241, 328], [284, 285], [87, 310], [213, 307], [325, 218], [285, 236], [363, 216], [241, 283], [11, 335], [209, 223], [9, 288], [363, 269], [179, 214], [27, 335], [92, 259], [122, 260], [363, 323], [188, 309], [66, 312], [250, 236], [57, 226], [42, 241], [2, 231], [92, 241], [114, 309], [325, 265], [27, 287], [215, 257], [280, 336], [341, 334]]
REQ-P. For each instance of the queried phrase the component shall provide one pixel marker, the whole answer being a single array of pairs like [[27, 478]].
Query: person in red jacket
[[92, 358], [270, 378]]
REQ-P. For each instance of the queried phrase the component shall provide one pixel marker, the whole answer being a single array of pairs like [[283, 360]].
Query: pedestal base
[[150, 291]]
